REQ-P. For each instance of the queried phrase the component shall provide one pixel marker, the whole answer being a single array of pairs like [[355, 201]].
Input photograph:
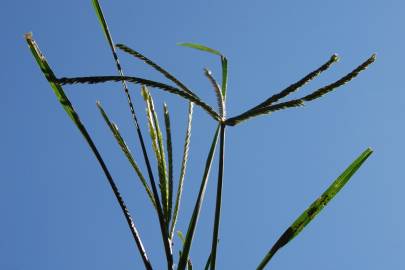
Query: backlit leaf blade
[[309, 214], [196, 212], [126, 151], [103, 22], [200, 47]]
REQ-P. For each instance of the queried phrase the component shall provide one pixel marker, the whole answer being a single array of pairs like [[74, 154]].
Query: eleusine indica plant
[[162, 196]]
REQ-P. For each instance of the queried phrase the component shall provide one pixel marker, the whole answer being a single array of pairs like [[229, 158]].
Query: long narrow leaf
[[169, 160], [182, 170], [196, 212], [157, 144], [68, 107], [126, 151], [136, 80], [106, 31], [200, 47], [311, 212]]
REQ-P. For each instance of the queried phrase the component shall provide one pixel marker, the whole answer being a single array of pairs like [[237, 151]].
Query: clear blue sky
[[57, 211]]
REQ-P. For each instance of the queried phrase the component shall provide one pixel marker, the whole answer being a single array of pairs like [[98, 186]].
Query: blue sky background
[[57, 210]]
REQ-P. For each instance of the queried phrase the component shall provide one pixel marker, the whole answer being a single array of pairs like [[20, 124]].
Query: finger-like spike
[[218, 92], [297, 85], [264, 110], [156, 67], [350, 76], [136, 80], [182, 170]]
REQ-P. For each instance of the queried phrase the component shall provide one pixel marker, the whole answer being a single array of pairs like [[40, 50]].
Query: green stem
[[219, 197], [162, 222]]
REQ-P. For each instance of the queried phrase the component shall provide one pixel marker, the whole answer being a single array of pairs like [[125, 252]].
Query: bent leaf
[[309, 214], [200, 47]]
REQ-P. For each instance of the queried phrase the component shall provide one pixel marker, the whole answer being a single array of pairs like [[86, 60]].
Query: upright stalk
[[162, 222], [219, 196]]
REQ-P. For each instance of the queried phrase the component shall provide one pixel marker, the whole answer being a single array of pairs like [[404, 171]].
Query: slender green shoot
[[183, 240], [125, 149], [217, 218], [68, 107], [107, 33], [196, 212], [314, 209], [182, 170]]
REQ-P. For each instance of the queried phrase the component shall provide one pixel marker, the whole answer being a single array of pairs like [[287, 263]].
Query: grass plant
[[165, 199]]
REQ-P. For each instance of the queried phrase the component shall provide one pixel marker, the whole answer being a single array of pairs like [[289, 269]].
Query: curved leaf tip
[[200, 47]]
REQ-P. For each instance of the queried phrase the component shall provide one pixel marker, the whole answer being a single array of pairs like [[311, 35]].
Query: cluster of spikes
[[167, 212], [268, 106]]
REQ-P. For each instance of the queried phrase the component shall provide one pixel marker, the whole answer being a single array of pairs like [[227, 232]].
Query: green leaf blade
[[103, 22], [200, 47], [310, 213]]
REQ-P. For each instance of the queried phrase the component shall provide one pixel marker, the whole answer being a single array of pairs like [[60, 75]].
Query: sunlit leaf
[[313, 210]]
